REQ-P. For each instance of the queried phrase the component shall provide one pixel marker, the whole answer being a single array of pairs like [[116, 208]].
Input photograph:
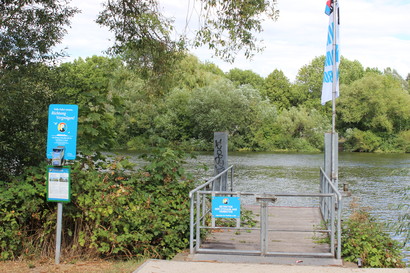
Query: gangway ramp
[[287, 232]]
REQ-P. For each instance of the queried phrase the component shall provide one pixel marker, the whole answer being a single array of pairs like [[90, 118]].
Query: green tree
[[222, 107], [191, 73], [309, 81], [277, 88], [350, 71], [143, 34], [301, 129], [310, 78], [29, 30], [240, 77], [393, 73], [24, 98], [86, 83], [374, 102]]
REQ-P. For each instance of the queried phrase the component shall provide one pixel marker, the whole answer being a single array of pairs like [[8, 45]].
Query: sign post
[[61, 146], [221, 160]]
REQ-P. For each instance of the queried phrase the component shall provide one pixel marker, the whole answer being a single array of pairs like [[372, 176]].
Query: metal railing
[[331, 211], [329, 202], [196, 200]]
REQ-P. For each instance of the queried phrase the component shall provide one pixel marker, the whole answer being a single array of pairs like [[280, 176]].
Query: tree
[[28, 31], [309, 80], [301, 128], [240, 77], [30, 28], [24, 98], [143, 33], [350, 71], [223, 107], [190, 73], [86, 83], [374, 102], [393, 73], [277, 88]]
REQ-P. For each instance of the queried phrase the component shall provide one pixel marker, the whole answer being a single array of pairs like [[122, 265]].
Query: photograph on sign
[[226, 207], [62, 129], [58, 184]]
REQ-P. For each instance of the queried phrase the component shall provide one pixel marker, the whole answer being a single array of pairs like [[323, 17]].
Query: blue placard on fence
[[62, 129], [226, 207]]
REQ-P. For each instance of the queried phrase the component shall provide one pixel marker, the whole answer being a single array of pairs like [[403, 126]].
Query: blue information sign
[[62, 129], [226, 207]]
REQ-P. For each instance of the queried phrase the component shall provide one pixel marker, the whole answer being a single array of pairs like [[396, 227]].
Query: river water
[[376, 181]]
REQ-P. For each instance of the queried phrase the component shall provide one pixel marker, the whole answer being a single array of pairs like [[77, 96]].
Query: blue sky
[[374, 32]]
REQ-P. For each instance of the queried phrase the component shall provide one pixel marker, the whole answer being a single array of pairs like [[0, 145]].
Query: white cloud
[[374, 32]]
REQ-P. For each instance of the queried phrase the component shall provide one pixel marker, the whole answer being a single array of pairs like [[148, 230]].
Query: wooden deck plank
[[280, 218]]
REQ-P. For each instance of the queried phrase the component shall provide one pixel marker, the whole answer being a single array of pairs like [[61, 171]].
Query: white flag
[[328, 77]]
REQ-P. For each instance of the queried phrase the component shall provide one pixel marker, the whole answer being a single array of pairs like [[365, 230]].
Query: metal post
[[221, 159], [238, 220], [58, 231], [231, 179], [198, 222], [191, 226], [264, 227], [213, 220], [333, 176], [339, 230], [204, 209], [332, 225]]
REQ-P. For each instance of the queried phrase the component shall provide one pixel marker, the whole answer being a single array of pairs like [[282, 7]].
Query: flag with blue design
[[331, 61]]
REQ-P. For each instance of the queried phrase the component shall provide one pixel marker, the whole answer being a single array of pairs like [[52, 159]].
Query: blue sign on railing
[[226, 207], [62, 129]]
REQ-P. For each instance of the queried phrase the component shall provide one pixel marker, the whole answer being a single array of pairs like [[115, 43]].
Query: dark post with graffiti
[[221, 159]]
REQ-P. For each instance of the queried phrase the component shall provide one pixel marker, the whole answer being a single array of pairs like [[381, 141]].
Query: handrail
[[339, 195], [324, 206], [209, 181]]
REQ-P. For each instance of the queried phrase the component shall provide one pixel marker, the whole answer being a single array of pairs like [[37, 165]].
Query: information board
[[58, 184], [62, 129], [226, 207]]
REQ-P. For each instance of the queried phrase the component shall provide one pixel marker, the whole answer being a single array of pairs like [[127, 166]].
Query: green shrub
[[361, 141], [114, 211], [404, 141], [363, 237]]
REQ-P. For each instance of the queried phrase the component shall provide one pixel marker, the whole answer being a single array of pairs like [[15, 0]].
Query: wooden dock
[[290, 231]]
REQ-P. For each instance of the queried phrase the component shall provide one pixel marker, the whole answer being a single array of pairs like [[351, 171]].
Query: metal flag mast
[[334, 140]]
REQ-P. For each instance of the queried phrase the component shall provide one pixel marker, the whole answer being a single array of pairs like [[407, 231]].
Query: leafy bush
[[114, 211], [404, 141], [301, 129], [363, 237], [361, 141]]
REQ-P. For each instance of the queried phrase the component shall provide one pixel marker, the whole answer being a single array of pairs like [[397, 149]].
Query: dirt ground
[[77, 267]]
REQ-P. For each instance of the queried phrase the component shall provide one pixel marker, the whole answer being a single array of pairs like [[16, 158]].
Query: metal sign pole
[[58, 231], [61, 146]]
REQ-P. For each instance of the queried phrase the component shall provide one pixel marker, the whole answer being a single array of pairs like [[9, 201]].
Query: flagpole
[[334, 86]]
